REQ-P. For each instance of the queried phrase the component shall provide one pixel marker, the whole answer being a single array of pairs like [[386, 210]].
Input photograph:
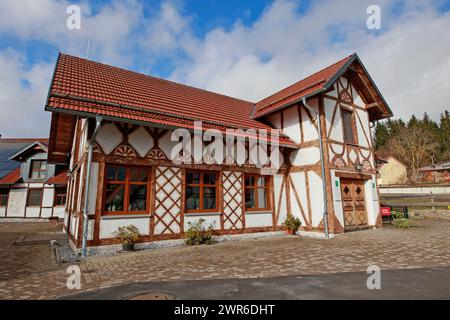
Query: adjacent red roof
[[300, 89], [25, 140], [11, 177], [85, 86], [60, 178]]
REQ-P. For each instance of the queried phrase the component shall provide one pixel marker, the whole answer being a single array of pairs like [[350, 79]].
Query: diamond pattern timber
[[168, 200], [232, 200]]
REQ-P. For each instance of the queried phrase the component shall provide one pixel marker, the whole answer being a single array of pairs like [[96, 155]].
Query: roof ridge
[[309, 76], [160, 79]]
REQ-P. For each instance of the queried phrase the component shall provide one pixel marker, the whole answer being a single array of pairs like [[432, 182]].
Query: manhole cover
[[152, 296]]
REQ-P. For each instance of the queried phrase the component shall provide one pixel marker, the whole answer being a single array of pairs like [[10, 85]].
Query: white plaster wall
[[254, 220], [299, 181], [48, 197], [309, 130], [83, 138], [316, 195], [278, 181], [209, 219], [357, 98], [275, 120], [166, 145], [32, 212], [305, 156], [363, 128], [109, 137], [74, 227], [66, 219], [16, 202], [110, 224], [46, 213], [291, 124], [336, 130], [59, 212], [2, 211], [141, 141]]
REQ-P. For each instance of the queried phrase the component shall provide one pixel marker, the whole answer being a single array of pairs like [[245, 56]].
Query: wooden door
[[354, 204]]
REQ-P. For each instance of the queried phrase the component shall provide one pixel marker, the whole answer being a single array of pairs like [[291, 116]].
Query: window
[[38, 169], [257, 192], [60, 196], [4, 194], [201, 191], [347, 122], [34, 197], [126, 190]]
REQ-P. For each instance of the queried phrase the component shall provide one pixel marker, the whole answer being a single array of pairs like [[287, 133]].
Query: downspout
[[98, 120], [322, 162]]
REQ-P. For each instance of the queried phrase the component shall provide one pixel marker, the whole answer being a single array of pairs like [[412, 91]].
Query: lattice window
[[232, 200], [168, 200]]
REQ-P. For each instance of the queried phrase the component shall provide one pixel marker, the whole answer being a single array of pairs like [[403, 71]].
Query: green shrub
[[292, 223], [402, 223], [128, 235], [198, 233]]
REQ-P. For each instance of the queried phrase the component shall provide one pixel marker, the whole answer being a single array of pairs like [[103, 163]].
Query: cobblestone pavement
[[31, 272]]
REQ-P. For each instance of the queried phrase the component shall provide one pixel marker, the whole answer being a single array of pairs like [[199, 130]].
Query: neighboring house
[[29, 187], [132, 180], [438, 173], [392, 171]]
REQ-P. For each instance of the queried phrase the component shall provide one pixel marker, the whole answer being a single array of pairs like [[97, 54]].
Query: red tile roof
[[85, 86], [300, 89], [60, 178], [11, 177]]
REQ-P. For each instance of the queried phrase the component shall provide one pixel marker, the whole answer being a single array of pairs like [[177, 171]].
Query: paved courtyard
[[30, 271]]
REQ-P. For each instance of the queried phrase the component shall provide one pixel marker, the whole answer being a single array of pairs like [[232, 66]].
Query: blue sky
[[247, 49]]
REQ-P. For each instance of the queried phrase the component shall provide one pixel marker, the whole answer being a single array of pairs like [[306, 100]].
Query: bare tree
[[413, 146]]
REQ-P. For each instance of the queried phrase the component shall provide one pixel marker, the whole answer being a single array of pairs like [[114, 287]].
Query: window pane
[[34, 197], [249, 180], [4, 197], [115, 174], [348, 126], [209, 198], [193, 178], [114, 197], [209, 178], [138, 198], [262, 181], [262, 198], [139, 174], [250, 198], [192, 198]]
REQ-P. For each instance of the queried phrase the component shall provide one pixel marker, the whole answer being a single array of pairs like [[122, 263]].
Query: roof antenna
[[87, 50]]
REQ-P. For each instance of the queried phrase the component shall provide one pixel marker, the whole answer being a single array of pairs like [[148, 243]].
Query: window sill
[[122, 216], [197, 214], [259, 212]]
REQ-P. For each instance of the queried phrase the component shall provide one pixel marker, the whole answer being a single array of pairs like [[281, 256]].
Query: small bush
[[128, 235], [292, 223], [198, 233], [402, 223]]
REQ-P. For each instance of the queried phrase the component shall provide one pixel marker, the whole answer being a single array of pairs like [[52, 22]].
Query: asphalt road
[[431, 283]]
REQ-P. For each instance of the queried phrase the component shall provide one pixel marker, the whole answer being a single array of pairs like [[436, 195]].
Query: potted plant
[[292, 224], [129, 236]]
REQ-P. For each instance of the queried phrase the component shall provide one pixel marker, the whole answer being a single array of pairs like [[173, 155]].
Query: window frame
[[60, 195], [40, 171], [201, 185], [28, 197], [127, 183], [267, 187], [352, 126], [4, 196]]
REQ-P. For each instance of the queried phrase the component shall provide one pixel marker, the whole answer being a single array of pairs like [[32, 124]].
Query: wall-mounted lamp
[[358, 166]]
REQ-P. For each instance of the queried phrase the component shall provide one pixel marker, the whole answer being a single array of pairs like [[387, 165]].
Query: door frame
[[363, 179]]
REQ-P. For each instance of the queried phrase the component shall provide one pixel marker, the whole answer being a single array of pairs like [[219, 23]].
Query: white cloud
[[408, 60], [22, 96]]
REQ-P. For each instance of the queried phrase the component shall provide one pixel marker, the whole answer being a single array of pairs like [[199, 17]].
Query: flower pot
[[127, 246], [290, 232]]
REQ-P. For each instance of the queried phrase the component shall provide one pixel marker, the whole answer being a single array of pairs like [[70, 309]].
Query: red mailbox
[[385, 211]]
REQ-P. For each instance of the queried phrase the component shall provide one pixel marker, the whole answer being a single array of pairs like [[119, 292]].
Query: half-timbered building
[[326, 176]]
